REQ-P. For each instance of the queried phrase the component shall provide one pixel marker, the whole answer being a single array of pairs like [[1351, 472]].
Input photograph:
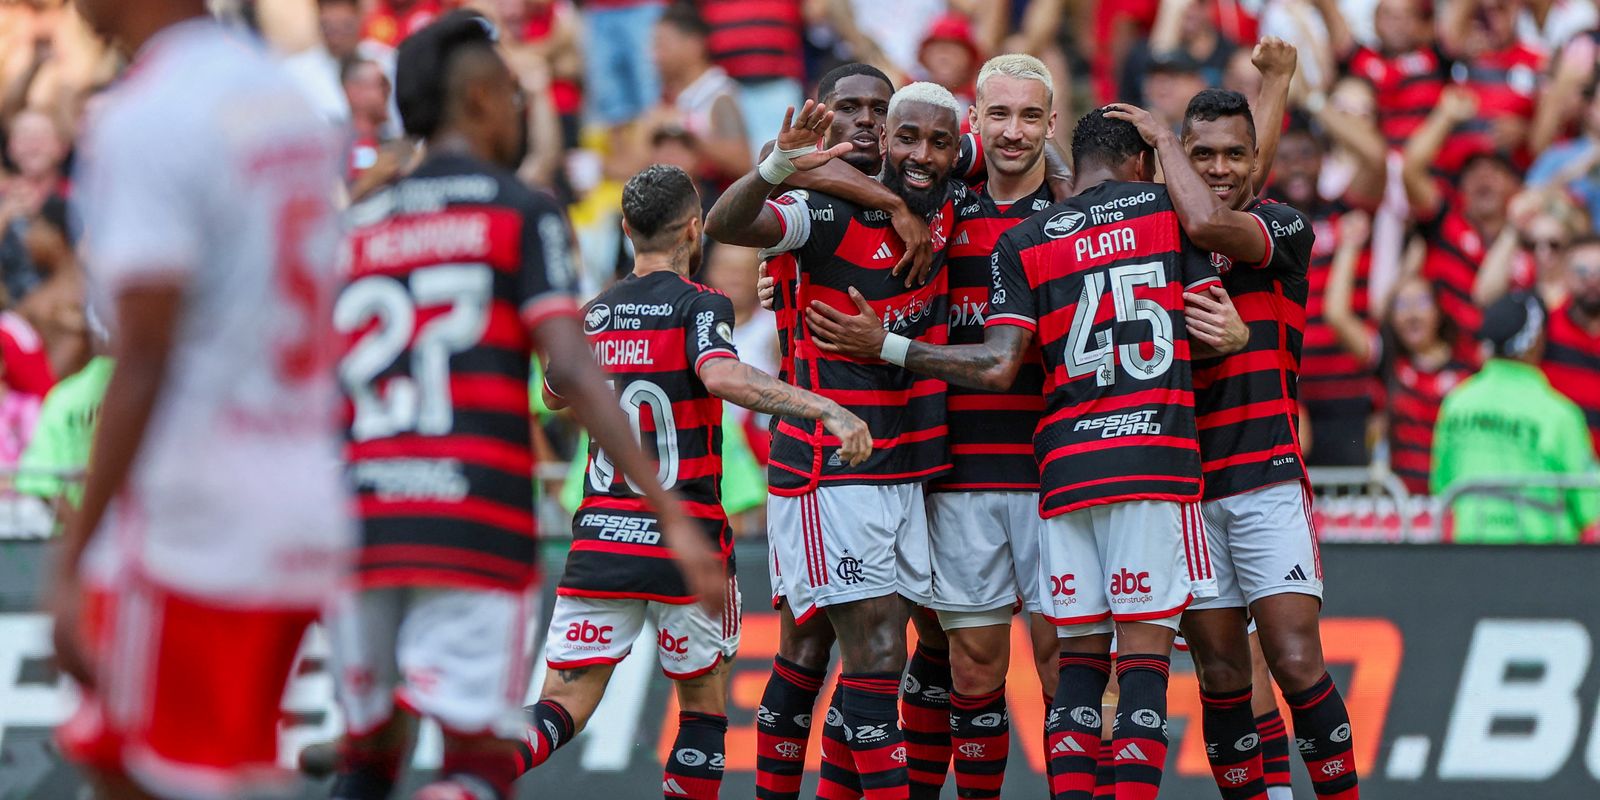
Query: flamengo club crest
[[849, 569], [936, 230]]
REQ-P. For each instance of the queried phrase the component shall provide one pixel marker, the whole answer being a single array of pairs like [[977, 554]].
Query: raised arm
[[1339, 36], [1209, 224], [1456, 105], [741, 215], [1494, 275], [992, 365], [1275, 59], [1562, 98], [1361, 139], [1337, 305], [748, 387], [1455, 26]]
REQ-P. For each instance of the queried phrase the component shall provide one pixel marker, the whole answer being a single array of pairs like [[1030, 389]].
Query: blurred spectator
[[949, 57], [1502, 72], [1507, 422], [1169, 83], [393, 20], [367, 91], [1300, 23], [23, 358], [757, 42], [318, 69], [62, 435], [38, 152], [1572, 357], [897, 27], [1406, 69], [1185, 40], [732, 270], [1572, 165], [55, 308], [1239, 75], [698, 100], [1458, 231], [1336, 388], [1413, 351], [548, 30], [1531, 249], [19, 412], [619, 68]]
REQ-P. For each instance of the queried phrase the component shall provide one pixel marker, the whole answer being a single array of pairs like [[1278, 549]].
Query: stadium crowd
[[1447, 153]]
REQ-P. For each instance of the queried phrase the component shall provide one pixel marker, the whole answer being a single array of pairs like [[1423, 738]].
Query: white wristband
[[779, 164], [894, 349]]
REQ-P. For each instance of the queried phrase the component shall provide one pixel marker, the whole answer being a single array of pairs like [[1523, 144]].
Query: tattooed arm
[[744, 385], [992, 365]]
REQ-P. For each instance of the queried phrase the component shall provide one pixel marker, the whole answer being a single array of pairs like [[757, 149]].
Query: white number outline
[[634, 397], [420, 402], [1082, 360]]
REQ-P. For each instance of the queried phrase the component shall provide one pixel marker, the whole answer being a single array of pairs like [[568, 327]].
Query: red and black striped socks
[[549, 727], [783, 724], [1072, 728], [1274, 752], [838, 780], [980, 740], [872, 721], [1232, 745], [694, 769], [367, 769], [1322, 734], [925, 713], [1140, 734], [1105, 772]]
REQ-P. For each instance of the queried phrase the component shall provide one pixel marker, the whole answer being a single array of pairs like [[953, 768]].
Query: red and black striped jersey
[[1248, 411], [1415, 395], [449, 269], [1572, 363], [838, 245], [1507, 85], [1100, 278], [991, 433], [651, 334], [1331, 377], [1455, 249], [756, 40], [1407, 87]]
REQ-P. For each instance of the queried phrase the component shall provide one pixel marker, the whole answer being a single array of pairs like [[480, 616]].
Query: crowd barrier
[[1469, 673]]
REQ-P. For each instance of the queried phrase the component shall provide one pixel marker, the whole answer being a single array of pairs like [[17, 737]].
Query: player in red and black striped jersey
[[1257, 509], [457, 275], [1101, 279], [1406, 69], [849, 539], [666, 343]]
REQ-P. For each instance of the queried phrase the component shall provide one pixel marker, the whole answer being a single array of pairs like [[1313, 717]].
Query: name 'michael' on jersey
[[1100, 279], [652, 334], [991, 433], [836, 245], [448, 271], [1247, 403]]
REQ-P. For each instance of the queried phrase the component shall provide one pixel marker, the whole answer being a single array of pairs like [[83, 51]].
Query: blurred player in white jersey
[[214, 519]]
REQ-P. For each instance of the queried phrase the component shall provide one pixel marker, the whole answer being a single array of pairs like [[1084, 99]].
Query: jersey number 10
[[635, 396]]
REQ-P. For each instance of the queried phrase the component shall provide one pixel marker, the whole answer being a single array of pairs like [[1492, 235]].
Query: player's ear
[[972, 117]]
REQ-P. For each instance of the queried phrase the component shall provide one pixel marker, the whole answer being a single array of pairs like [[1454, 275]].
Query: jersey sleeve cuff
[[711, 355], [794, 218], [548, 306], [1200, 285], [1272, 245], [1014, 320]]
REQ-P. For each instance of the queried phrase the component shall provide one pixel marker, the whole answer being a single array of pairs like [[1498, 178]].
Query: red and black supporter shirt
[[1416, 393], [1507, 85], [991, 433], [1248, 409], [1407, 87], [448, 270], [1333, 381], [1455, 250], [838, 245], [652, 334], [756, 40], [1572, 363], [1100, 279]]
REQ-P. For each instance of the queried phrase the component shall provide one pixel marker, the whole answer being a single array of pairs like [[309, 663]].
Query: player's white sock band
[[894, 349], [779, 165], [1279, 793]]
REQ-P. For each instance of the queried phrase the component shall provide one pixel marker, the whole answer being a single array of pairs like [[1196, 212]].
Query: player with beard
[[1258, 501], [457, 275], [853, 541], [1119, 465], [665, 342]]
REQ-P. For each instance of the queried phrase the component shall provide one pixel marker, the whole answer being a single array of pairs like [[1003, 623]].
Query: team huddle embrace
[[1007, 386]]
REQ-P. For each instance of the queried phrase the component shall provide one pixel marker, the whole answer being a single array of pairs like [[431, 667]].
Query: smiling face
[[860, 106], [921, 148], [1014, 117], [1224, 153]]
